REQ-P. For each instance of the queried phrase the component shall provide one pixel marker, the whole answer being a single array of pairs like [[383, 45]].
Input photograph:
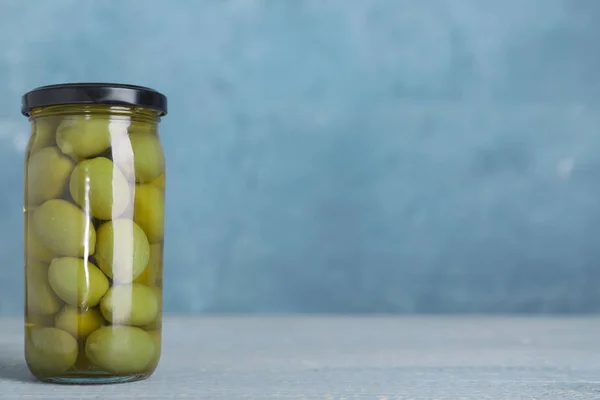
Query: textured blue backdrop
[[343, 156]]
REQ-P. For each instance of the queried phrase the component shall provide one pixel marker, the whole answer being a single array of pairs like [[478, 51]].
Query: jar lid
[[94, 93]]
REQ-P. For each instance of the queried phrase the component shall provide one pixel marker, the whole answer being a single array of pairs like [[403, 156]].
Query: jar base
[[93, 380]]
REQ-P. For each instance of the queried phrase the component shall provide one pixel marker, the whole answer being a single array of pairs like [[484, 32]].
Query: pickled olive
[[157, 322], [152, 274], [85, 136], [44, 130], [122, 250], [47, 172], [77, 282], [156, 337], [98, 182], [79, 323], [121, 349], [149, 211], [49, 351], [34, 248], [40, 298], [64, 229], [148, 158], [134, 304], [159, 182]]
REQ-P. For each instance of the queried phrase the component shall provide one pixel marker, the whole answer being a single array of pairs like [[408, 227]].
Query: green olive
[[47, 173], [149, 211], [64, 229], [122, 250], [49, 350], [133, 304], [40, 297], [156, 323], [79, 323], [156, 336], [78, 282], [148, 157], [44, 130], [86, 136], [34, 248], [98, 183], [152, 274], [121, 349]]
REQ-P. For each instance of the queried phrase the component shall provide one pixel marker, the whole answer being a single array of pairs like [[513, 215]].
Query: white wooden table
[[347, 358]]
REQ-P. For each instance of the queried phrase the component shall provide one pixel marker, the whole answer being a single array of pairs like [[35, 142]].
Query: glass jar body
[[94, 235]]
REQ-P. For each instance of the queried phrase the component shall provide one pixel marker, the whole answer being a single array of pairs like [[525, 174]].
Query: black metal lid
[[94, 93]]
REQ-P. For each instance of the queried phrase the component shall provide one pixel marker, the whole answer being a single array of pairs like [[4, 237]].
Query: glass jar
[[94, 230]]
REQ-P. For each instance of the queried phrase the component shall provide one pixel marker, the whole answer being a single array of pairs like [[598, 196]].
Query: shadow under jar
[[94, 232]]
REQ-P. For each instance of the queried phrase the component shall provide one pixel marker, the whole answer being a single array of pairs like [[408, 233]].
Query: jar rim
[[87, 93]]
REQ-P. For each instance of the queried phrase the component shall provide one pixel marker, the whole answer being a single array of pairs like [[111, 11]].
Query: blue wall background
[[343, 156]]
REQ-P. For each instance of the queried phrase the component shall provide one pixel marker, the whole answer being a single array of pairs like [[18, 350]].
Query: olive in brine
[[134, 304], [86, 136], [148, 157], [64, 229], [97, 184], [41, 300], [152, 274], [35, 248], [47, 173], [122, 250], [50, 351], [121, 349], [79, 323], [155, 324], [44, 130], [77, 282], [149, 211], [156, 336]]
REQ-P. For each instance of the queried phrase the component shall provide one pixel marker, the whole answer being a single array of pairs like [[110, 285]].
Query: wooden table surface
[[347, 358]]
